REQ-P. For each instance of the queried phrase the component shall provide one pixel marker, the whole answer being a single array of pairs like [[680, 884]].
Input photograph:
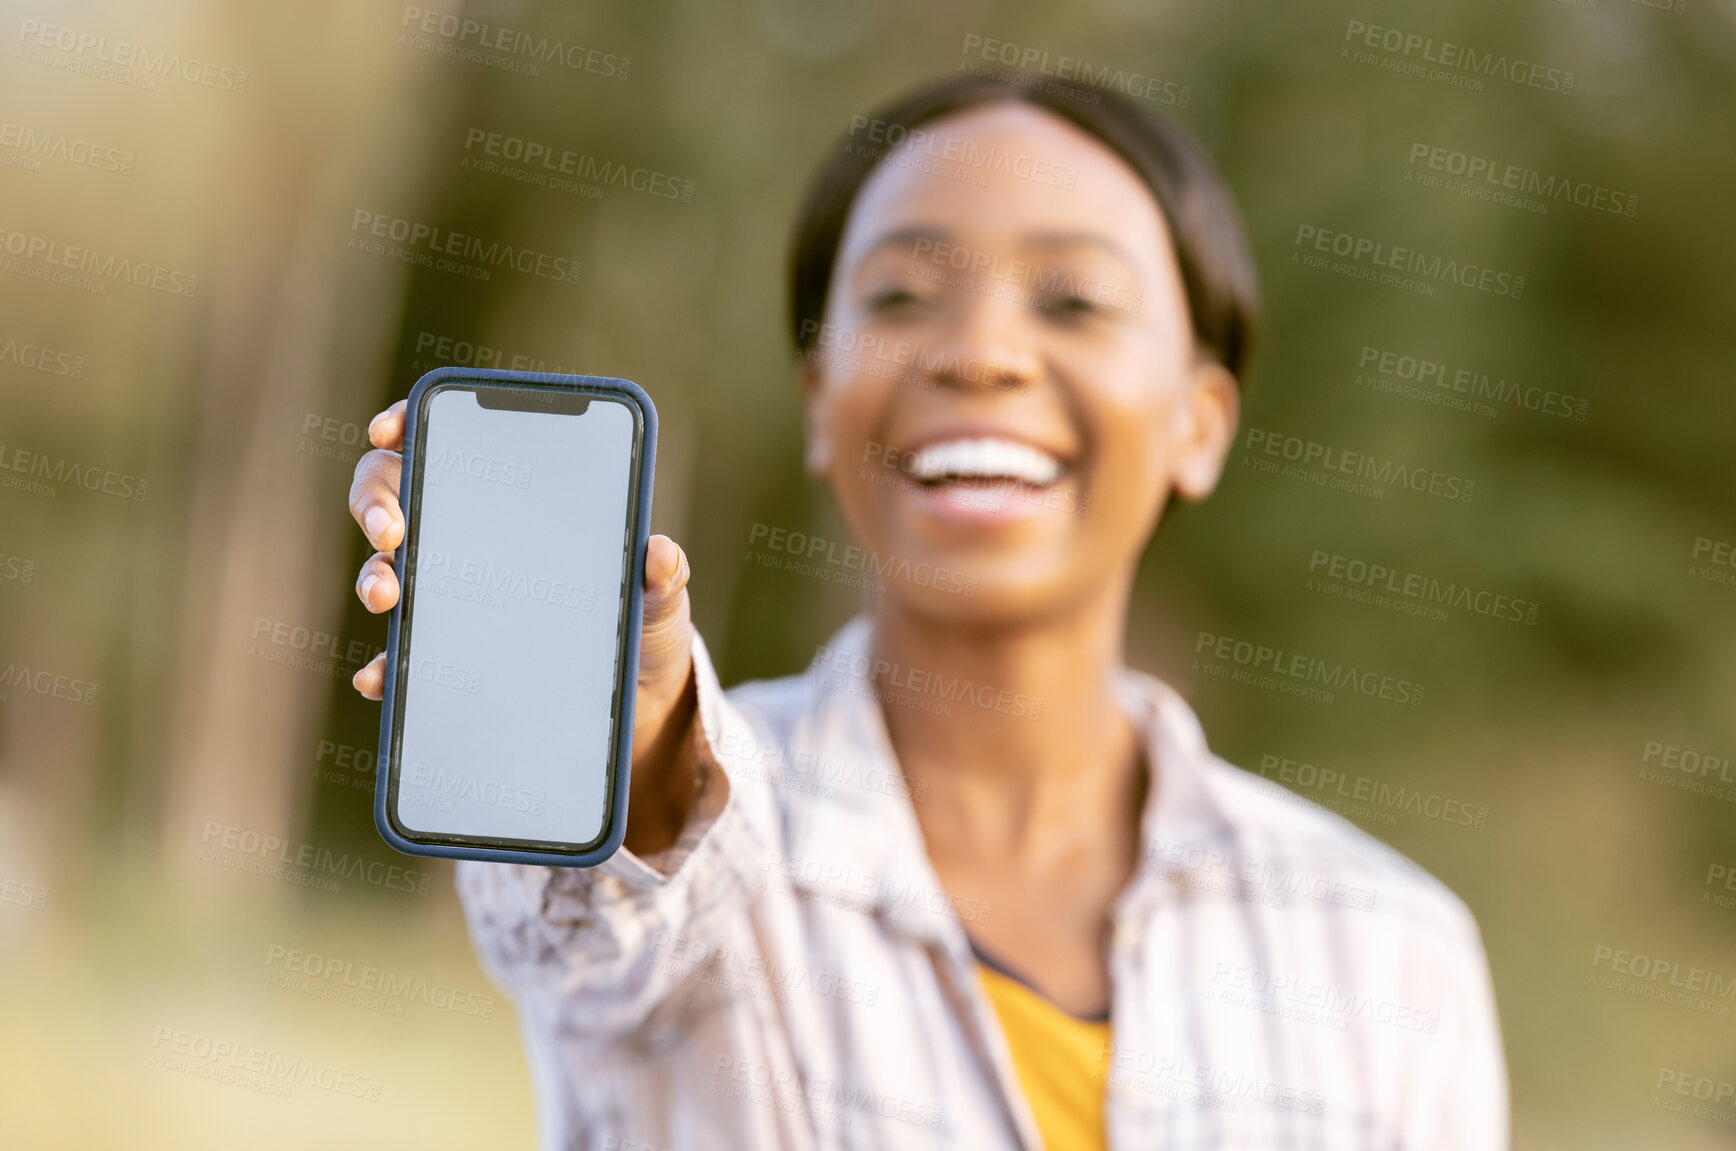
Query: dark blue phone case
[[619, 773]]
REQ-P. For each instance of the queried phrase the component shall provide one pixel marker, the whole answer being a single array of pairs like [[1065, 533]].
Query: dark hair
[[1217, 269]]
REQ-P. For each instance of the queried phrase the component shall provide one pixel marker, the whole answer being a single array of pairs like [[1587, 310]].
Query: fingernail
[[377, 521], [368, 586]]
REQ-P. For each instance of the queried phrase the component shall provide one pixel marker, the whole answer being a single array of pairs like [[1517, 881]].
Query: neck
[[1039, 754]]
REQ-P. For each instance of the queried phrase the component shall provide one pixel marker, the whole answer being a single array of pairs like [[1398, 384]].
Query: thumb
[[666, 632]]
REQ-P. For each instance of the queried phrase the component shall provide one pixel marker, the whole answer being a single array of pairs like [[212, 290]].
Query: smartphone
[[513, 651]]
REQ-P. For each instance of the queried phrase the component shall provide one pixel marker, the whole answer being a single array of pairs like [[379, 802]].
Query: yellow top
[[1056, 1056]]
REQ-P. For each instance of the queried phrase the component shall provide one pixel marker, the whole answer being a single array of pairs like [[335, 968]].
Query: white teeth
[[986, 458]]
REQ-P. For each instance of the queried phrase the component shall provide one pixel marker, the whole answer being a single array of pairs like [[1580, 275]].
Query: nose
[[988, 344]]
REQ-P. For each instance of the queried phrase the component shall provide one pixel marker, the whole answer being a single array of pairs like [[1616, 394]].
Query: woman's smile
[[979, 476]]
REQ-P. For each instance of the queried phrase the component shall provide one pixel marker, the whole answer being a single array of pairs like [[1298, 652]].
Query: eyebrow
[[904, 236], [1086, 239]]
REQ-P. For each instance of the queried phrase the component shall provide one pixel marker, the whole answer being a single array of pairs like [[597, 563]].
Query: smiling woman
[[1021, 318]]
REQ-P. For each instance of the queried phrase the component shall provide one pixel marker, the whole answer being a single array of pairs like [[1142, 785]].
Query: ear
[[816, 419], [1206, 418]]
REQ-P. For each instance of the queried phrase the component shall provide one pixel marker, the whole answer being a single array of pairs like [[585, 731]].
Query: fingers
[[666, 569], [387, 429], [377, 583], [663, 701], [371, 679], [374, 498], [374, 504], [666, 633], [666, 575]]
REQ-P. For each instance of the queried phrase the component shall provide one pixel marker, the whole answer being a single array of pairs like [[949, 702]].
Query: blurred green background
[[216, 614]]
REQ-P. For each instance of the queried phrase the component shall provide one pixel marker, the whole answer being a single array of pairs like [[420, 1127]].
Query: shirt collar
[[857, 843]]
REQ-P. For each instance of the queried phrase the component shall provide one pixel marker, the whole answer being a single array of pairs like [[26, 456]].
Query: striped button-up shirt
[[790, 974]]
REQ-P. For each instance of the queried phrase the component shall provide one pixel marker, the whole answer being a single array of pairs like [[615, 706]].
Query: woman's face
[[1005, 389]]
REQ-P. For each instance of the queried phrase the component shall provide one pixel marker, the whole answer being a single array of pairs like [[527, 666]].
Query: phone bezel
[[400, 629]]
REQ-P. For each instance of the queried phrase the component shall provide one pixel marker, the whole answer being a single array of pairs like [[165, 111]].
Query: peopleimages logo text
[[1409, 261], [51, 145], [48, 470], [510, 42], [1411, 47], [89, 261], [1513, 178], [1305, 668], [125, 54], [1381, 366], [1327, 459], [872, 137], [566, 162], [441, 242], [1414, 585], [1040, 62]]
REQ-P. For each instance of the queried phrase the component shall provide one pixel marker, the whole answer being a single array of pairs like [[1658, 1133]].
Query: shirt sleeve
[[587, 947], [1468, 1110]]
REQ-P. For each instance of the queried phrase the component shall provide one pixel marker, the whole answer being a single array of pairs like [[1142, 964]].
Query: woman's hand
[[663, 783]]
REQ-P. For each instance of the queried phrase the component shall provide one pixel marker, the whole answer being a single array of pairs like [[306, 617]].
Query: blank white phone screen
[[509, 692]]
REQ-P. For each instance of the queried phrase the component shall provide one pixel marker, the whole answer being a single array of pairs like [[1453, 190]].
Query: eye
[[891, 299], [1066, 307]]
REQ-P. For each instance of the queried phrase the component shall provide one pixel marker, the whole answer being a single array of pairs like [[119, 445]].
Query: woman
[[970, 882]]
